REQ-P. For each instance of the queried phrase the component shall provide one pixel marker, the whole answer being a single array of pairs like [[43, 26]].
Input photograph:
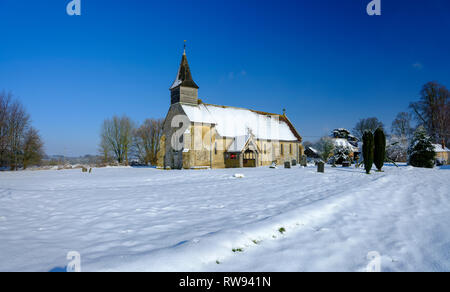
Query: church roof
[[238, 143], [184, 76], [240, 122]]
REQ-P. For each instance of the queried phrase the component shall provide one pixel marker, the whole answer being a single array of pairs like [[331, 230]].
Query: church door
[[250, 158]]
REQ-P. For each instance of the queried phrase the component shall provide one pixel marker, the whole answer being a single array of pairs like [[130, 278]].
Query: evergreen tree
[[421, 151], [368, 149], [380, 148], [340, 154]]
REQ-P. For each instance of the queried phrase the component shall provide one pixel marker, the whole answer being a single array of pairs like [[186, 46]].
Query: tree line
[[430, 116], [122, 141], [20, 144], [428, 119]]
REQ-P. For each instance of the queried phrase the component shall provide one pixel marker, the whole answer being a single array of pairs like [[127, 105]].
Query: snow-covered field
[[127, 219]]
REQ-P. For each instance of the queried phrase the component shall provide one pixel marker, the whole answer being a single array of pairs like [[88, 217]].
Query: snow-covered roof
[[176, 83], [238, 122], [198, 114], [341, 130], [344, 143], [238, 144], [314, 150], [439, 148]]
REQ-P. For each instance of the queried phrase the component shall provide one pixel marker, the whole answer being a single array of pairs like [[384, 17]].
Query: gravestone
[[346, 164], [304, 161], [321, 167], [287, 164], [294, 162]]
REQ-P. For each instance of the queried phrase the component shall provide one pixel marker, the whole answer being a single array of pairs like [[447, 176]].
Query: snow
[[198, 114], [439, 148], [176, 83], [235, 122], [238, 144], [314, 150], [339, 142], [142, 219]]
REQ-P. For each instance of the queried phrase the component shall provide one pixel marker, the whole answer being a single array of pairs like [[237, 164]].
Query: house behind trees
[[442, 154]]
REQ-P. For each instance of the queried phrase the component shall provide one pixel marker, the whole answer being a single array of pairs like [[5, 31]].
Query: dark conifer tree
[[368, 149], [421, 151], [380, 148]]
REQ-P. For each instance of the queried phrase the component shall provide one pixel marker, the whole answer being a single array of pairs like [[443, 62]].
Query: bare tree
[[117, 134], [17, 124], [308, 144], [401, 126], [433, 111], [326, 146], [33, 148], [105, 151], [5, 100], [370, 124], [146, 140], [397, 148], [19, 144]]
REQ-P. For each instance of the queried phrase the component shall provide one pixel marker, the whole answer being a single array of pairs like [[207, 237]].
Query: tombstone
[[287, 164], [90, 170], [304, 161], [294, 162], [321, 167], [273, 165], [346, 164]]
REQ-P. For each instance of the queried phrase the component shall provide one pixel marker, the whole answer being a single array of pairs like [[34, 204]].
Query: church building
[[201, 135]]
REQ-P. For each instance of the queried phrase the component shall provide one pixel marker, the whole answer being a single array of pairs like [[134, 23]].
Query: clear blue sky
[[327, 62]]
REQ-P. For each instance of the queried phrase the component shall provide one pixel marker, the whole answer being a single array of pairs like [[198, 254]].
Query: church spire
[[184, 89], [184, 76]]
